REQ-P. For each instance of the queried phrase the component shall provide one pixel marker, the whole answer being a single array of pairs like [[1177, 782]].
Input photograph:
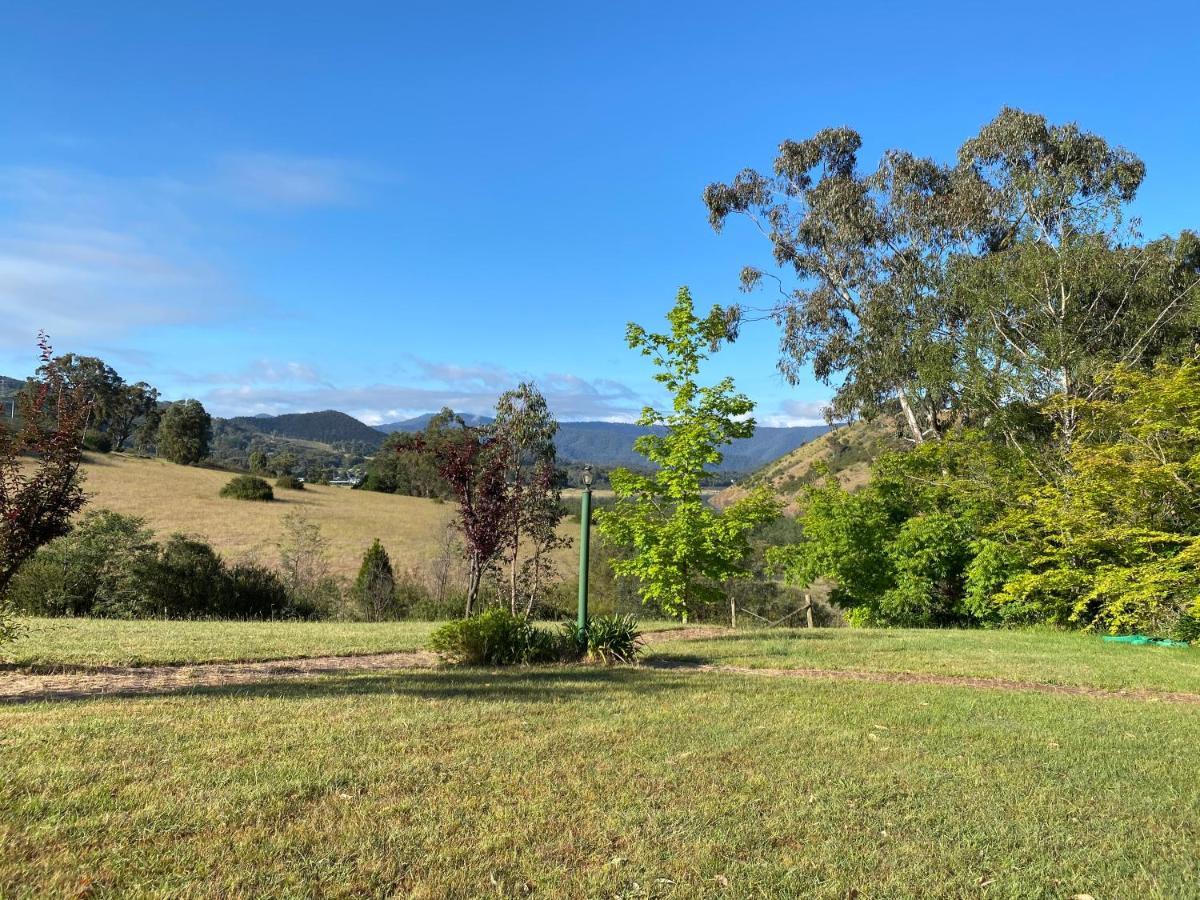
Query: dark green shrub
[[374, 590], [609, 639], [187, 579], [289, 482], [256, 592], [248, 487], [497, 638], [93, 570], [109, 566], [97, 441]]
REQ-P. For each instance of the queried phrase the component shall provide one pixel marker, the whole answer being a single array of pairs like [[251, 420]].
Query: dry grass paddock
[[173, 498]]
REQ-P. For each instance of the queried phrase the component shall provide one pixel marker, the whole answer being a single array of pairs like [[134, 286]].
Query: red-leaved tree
[[474, 464], [39, 464]]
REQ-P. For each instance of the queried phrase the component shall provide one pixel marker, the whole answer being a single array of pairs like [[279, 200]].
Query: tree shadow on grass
[[549, 684]]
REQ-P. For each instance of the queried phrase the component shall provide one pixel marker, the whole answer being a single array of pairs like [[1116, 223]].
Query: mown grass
[[576, 782], [117, 642], [1052, 657]]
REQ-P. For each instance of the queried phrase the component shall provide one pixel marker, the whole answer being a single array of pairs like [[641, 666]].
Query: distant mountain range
[[603, 444]]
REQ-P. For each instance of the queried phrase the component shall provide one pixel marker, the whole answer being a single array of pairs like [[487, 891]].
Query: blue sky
[[385, 208]]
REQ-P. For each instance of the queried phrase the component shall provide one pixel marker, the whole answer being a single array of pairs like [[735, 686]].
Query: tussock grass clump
[[609, 639]]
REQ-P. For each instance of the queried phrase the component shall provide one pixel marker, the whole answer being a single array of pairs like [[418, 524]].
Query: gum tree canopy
[[964, 293]]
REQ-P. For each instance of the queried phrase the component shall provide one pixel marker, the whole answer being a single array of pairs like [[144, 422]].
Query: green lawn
[[583, 782], [1047, 656], [95, 642]]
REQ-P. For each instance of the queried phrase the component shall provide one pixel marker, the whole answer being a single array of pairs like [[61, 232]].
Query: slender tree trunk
[[910, 417], [473, 583], [808, 609], [512, 597], [536, 583]]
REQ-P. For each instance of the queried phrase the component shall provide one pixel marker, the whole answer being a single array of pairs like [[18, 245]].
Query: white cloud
[[791, 413]]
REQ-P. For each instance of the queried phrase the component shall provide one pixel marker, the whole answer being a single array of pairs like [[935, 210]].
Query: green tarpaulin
[[1142, 639]]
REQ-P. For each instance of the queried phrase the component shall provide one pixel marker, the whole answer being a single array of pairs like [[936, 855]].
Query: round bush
[[248, 487], [97, 441], [289, 482]]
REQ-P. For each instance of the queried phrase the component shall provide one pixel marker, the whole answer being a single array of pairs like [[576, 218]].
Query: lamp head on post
[[587, 476]]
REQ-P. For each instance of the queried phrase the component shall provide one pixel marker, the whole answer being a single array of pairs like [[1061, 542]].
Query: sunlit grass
[[1054, 657]]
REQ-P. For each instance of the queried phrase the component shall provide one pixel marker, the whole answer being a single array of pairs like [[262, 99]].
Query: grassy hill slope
[[181, 498], [847, 451]]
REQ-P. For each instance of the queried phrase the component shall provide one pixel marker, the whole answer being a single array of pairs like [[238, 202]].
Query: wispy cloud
[[288, 182], [89, 257], [95, 257]]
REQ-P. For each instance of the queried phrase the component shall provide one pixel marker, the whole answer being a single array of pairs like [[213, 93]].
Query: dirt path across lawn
[[111, 681], [101, 681], [124, 680]]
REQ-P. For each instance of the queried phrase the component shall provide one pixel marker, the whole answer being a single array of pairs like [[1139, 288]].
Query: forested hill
[[10, 386], [326, 427]]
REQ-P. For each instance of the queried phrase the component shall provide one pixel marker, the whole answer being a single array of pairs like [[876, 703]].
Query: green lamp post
[[585, 529]]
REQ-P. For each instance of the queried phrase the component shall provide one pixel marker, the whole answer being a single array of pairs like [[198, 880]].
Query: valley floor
[[628, 782]]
